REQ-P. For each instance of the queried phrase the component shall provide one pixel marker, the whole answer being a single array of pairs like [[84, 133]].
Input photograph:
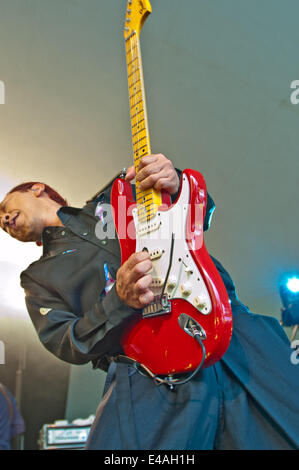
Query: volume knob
[[171, 282], [186, 288], [200, 302]]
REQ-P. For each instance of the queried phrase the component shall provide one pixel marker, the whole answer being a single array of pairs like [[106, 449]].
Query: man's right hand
[[133, 280]]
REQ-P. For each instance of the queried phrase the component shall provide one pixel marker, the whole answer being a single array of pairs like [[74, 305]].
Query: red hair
[[22, 188]]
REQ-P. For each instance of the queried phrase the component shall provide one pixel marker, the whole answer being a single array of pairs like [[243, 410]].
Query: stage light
[[289, 294], [14, 258], [293, 284]]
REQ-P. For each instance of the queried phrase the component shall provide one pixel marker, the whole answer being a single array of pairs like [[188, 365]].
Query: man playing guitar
[[236, 403]]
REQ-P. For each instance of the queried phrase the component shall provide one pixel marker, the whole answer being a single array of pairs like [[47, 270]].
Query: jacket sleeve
[[72, 338]]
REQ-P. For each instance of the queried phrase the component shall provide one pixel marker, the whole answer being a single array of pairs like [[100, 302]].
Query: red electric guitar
[[189, 323]]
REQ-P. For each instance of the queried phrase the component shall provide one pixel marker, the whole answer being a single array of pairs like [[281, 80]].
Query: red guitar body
[[195, 290]]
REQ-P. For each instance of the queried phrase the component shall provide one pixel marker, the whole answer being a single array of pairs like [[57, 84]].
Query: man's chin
[[21, 237]]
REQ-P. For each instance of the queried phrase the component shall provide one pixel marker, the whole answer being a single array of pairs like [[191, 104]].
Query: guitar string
[[133, 44], [134, 81]]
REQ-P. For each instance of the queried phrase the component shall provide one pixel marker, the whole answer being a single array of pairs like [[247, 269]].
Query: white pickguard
[[184, 280]]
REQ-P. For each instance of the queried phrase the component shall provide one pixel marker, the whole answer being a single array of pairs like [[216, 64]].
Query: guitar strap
[[120, 174]]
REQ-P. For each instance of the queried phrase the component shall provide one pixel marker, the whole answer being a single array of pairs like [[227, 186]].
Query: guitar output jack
[[191, 326]]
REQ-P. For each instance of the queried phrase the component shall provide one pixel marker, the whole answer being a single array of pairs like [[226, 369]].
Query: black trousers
[[248, 400]]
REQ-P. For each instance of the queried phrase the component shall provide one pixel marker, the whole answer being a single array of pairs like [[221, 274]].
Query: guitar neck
[[149, 200]]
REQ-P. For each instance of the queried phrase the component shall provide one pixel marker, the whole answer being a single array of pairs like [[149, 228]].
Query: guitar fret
[[135, 119], [132, 36], [145, 207], [136, 104], [131, 62], [144, 152], [142, 209], [144, 212], [137, 83], [149, 204], [137, 90], [138, 132], [132, 47], [140, 140], [142, 135], [141, 148], [142, 129], [134, 83], [137, 127], [141, 206], [134, 71], [133, 68], [145, 194], [146, 217], [144, 198], [138, 108], [147, 201], [132, 53], [137, 142], [137, 113], [131, 58], [138, 122], [138, 150], [135, 95]]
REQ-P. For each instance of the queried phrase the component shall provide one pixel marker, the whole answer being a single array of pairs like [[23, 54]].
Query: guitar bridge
[[159, 306]]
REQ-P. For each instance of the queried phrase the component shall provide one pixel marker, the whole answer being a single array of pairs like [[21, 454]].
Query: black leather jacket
[[74, 316]]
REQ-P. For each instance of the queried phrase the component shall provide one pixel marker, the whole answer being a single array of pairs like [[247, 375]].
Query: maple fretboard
[[148, 200]]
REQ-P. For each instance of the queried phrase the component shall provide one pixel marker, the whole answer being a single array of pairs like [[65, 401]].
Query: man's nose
[[5, 219]]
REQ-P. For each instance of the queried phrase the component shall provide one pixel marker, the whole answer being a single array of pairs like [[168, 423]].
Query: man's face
[[21, 216]]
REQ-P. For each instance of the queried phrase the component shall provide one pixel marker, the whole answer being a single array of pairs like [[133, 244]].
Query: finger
[[136, 258], [143, 284], [158, 158], [130, 174], [149, 169], [146, 298], [152, 181], [141, 270], [147, 160], [166, 184]]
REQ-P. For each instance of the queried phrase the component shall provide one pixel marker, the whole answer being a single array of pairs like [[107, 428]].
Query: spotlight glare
[[293, 284]]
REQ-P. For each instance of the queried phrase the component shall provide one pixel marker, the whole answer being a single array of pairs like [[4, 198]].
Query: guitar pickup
[[159, 306], [155, 254], [157, 282]]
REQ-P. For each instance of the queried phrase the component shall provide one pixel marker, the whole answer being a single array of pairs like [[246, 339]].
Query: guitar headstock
[[136, 14]]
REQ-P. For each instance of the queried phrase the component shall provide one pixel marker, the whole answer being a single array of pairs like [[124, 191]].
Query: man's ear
[[38, 189]]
